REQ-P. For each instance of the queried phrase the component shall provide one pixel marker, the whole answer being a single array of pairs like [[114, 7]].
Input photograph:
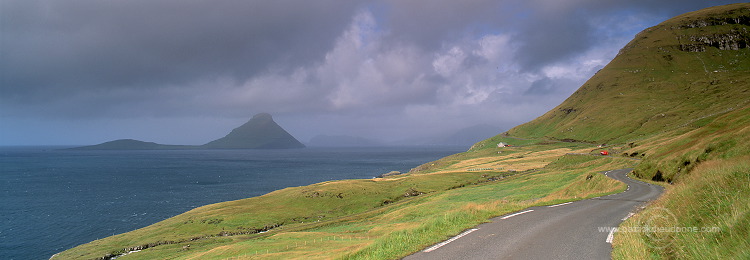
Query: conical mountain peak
[[261, 132]]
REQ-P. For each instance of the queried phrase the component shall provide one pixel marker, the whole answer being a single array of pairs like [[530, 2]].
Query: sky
[[79, 72]]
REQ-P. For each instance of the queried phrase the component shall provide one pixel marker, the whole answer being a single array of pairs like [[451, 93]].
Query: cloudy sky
[[187, 72]]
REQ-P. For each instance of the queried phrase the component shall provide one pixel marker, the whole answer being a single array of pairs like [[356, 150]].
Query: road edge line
[[516, 214], [441, 244], [561, 204]]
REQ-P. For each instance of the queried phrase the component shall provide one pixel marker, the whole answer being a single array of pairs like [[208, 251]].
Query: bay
[[52, 200]]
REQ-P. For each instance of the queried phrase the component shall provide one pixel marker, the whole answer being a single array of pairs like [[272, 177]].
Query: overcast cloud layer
[[187, 72]]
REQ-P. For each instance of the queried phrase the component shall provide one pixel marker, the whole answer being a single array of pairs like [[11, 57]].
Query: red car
[[604, 153]]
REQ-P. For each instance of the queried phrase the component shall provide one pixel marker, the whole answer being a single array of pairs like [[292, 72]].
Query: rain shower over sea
[[52, 199]]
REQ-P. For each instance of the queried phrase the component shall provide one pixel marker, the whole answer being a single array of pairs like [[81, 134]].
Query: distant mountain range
[[261, 132]]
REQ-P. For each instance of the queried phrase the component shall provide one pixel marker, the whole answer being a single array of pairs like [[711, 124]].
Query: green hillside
[[677, 96], [683, 70]]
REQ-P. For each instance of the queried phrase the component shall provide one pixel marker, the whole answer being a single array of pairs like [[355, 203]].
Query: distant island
[[261, 132], [130, 144]]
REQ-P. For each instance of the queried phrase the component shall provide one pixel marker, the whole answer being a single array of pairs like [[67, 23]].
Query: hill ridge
[[668, 75]]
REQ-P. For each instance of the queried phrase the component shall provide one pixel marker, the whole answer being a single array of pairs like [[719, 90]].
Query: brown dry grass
[[518, 162]]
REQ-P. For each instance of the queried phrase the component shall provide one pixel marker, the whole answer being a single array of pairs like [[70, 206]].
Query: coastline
[[85, 186]]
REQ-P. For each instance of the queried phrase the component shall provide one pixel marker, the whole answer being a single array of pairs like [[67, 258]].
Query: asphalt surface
[[576, 230]]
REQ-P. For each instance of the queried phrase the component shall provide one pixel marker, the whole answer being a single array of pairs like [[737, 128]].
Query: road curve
[[577, 230]]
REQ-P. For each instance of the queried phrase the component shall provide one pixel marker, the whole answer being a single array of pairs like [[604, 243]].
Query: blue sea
[[52, 200]]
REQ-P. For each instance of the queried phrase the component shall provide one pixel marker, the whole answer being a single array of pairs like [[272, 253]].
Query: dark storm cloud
[[429, 23], [360, 66], [550, 36], [64, 46], [58, 47]]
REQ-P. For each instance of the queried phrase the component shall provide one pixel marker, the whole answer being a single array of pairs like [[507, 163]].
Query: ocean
[[52, 199]]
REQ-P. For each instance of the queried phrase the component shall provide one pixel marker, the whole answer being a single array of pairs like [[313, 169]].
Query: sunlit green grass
[[653, 86], [712, 206], [381, 218]]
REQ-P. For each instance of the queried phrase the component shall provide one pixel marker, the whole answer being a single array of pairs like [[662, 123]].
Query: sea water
[[52, 199]]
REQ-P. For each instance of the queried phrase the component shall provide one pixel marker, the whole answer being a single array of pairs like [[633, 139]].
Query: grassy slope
[[687, 115], [711, 192], [653, 86], [687, 112], [714, 200]]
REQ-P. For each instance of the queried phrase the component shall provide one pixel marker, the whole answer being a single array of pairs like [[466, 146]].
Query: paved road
[[566, 231]]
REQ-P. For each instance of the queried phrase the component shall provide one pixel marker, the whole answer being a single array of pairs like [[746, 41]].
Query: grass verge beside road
[[705, 216]]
